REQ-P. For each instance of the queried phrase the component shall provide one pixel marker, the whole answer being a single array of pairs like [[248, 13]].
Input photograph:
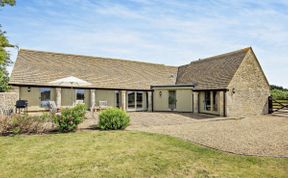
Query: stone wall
[[7, 102], [248, 90]]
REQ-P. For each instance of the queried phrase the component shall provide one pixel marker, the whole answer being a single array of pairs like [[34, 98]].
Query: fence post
[[270, 105]]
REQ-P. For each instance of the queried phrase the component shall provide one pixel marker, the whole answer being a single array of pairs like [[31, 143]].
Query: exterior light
[[233, 90], [160, 93], [29, 89]]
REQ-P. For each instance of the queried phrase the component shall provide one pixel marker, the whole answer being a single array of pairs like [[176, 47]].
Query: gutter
[[77, 87]]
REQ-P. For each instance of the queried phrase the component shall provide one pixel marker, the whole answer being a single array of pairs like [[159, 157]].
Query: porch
[[129, 100], [187, 99]]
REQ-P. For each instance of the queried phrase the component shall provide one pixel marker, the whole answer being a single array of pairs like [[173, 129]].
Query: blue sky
[[172, 32]]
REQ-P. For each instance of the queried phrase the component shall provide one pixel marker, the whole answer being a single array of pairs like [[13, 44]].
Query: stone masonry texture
[[248, 90]]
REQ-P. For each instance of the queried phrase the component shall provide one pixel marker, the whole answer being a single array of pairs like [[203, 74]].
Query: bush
[[279, 94], [113, 119], [20, 124], [70, 118]]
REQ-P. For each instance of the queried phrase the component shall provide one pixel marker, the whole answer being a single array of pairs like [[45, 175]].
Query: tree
[[276, 87], [9, 2], [4, 55]]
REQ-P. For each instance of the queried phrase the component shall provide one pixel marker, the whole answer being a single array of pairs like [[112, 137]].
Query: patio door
[[207, 101], [135, 101], [172, 100]]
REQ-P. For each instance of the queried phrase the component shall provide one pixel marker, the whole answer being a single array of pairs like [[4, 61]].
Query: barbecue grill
[[21, 104]]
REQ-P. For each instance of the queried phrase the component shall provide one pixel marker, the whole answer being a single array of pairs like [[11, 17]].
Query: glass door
[[207, 101], [172, 100], [135, 101], [131, 101], [139, 100]]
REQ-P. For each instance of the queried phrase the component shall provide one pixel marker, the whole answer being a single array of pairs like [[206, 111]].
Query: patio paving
[[257, 135]]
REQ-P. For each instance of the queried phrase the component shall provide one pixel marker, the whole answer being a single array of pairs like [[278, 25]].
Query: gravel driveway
[[260, 135]]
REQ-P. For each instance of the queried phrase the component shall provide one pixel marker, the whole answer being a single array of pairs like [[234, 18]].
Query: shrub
[[20, 124], [70, 118], [279, 94], [113, 119]]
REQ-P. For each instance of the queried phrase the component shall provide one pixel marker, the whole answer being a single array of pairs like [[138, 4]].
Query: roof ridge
[[220, 55], [96, 57]]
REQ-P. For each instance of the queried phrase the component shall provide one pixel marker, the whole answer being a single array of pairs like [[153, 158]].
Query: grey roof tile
[[40, 68], [213, 72]]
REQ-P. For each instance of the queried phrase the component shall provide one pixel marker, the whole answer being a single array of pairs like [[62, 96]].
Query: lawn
[[125, 154]]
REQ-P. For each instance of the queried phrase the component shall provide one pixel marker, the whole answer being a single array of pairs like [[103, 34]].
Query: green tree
[[4, 55], [9, 2]]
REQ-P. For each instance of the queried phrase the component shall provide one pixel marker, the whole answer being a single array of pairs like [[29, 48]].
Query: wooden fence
[[279, 106]]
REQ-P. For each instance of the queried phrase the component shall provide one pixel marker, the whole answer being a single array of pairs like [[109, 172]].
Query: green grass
[[125, 154]]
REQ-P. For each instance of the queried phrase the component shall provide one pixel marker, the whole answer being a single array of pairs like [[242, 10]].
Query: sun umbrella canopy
[[70, 82]]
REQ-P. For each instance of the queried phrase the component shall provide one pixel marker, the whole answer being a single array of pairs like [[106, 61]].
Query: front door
[[135, 101], [172, 100]]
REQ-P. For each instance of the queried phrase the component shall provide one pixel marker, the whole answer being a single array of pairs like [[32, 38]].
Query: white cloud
[[172, 32]]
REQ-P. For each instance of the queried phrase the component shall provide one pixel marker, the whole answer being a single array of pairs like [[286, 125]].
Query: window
[[207, 101], [215, 101], [80, 94], [45, 96]]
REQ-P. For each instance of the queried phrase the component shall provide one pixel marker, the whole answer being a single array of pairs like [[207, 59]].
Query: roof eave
[[82, 87]]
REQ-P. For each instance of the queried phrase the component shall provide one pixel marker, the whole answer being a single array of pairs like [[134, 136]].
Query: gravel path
[[259, 135]]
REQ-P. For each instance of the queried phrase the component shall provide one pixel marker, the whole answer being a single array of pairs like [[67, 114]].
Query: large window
[[207, 101], [45, 96], [80, 94]]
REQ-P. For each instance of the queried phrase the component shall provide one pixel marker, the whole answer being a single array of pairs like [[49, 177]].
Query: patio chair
[[78, 102], [103, 105]]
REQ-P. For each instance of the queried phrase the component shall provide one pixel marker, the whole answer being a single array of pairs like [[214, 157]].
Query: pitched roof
[[40, 68], [211, 73]]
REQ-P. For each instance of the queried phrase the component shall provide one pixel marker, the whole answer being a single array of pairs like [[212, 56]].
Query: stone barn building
[[231, 84]]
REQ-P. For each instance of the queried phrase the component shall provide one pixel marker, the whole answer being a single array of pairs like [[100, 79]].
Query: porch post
[[123, 100], [149, 93], [92, 98], [58, 97], [222, 103], [195, 102]]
